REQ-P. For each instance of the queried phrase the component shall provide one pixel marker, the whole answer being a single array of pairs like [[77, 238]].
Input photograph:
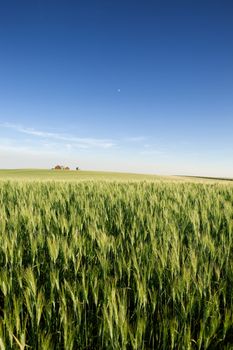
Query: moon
[[118, 90]]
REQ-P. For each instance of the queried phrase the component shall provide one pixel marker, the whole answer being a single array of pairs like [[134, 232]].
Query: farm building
[[58, 167]]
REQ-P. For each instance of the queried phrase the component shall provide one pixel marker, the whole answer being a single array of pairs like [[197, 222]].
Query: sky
[[120, 85]]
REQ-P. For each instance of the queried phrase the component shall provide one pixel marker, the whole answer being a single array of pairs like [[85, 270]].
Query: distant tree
[[77, 168], [67, 168], [58, 167]]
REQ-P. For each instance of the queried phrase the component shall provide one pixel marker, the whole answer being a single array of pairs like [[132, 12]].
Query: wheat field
[[116, 265]]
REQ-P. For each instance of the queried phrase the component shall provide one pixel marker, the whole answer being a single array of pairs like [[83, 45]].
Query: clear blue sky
[[144, 86]]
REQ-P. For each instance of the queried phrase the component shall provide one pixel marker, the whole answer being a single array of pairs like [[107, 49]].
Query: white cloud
[[81, 142], [54, 139]]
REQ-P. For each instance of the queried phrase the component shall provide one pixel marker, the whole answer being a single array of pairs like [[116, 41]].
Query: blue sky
[[141, 86]]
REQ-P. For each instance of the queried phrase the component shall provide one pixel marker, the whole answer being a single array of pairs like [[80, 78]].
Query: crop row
[[114, 265]]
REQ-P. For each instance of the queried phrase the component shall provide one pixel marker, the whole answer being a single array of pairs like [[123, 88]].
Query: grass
[[120, 264]]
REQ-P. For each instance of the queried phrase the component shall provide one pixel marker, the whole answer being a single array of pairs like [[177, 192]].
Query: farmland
[[115, 261], [71, 176], [44, 175]]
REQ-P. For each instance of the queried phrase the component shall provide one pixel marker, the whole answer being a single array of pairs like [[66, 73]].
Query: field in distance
[[73, 175], [84, 175]]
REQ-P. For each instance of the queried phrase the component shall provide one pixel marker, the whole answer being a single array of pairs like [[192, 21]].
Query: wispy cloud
[[81, 142], [35, 140]]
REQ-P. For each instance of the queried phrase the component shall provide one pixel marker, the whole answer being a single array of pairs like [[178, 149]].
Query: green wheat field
[[94, 260]]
